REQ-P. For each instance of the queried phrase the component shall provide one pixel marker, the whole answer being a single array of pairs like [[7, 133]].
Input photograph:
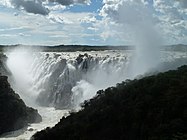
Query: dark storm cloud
[[31, 6], [37, 7]]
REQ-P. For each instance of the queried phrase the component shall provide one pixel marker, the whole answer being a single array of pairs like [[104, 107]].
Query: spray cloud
[[20, 61], [136, 17]]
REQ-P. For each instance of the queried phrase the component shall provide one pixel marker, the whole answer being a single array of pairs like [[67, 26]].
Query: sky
[[90, 22]]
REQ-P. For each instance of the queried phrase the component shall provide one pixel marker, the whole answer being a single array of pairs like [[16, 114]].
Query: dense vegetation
[[152, 108]]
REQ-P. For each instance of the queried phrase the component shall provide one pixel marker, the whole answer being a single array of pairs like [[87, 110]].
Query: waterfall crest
[[59, 79]]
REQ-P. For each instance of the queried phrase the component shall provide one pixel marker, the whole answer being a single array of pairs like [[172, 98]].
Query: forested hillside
[[152, 108]]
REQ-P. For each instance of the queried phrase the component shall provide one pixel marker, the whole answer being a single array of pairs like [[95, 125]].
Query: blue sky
[[92, 22], [94, 6]]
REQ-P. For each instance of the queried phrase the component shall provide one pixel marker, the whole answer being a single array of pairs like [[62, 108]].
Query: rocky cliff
[[14, 114], [3, 67]]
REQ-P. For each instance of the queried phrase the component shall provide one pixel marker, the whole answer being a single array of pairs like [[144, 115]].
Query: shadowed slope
[[152, 108], [14, 113]]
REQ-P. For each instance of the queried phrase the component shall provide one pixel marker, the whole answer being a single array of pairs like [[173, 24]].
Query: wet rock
[[30, 129], [3, 67], [14, 113]]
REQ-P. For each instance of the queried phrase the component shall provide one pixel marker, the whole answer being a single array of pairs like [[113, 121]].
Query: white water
[[50, 117], [36, 73], [59, 79]]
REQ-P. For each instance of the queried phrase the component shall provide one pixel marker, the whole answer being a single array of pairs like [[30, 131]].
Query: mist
[[62, 76], [51, 80], [137, 18], [107, 73], [19, 62], [57, 79]]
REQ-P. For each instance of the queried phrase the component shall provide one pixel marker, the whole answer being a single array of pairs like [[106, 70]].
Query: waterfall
[[65, 79]]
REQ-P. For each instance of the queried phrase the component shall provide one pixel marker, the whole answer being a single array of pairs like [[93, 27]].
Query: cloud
[[183, 3], [71, 18], [34, 6], [130, 10], [69, 2], [130, 15], [11, 29], [57, 28], [42, 7], [169, 17]]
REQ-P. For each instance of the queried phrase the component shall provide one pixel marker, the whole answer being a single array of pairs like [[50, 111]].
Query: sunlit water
[[36, 73]]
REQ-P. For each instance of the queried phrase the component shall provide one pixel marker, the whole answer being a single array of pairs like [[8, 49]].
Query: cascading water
[[66, 79], [60, 79], [19, 63]]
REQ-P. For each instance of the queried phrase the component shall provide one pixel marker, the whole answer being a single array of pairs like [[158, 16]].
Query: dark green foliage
[[14, 114], [152, 108]]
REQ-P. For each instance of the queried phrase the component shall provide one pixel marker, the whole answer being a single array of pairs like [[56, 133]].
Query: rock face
[[3, 68], [14, 113], [152, 108]]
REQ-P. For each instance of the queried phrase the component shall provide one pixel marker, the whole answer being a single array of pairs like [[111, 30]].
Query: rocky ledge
[[3, 67], [14, 114]]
